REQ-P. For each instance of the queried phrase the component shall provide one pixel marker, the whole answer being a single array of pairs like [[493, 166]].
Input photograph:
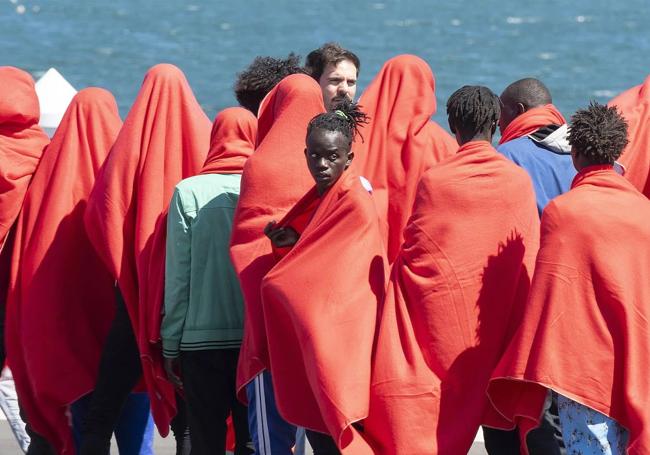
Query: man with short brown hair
[[336, 70]]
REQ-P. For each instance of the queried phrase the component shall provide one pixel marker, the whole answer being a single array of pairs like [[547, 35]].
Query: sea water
[[582, 49]]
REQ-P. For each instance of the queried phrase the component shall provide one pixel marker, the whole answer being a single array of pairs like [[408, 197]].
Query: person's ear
[[520, 108], [451, 127], [494, 128], [350, 158]]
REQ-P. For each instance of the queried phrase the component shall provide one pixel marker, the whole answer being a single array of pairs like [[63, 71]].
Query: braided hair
[[473, 108], [346, 117]]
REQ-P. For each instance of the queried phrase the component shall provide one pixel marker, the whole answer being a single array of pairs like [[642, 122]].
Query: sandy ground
[[162, 446]]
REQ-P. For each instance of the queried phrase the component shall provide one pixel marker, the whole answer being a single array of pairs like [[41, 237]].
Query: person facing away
[[456, 292], [260, 76], [321, 297], [634, 105], [534, 136], [336, 70], [589, 301], [202, 326]]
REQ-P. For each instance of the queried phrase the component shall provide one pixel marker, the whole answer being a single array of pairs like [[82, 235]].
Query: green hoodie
[[203, 301]]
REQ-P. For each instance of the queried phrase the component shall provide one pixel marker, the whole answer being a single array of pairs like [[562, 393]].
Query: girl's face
[[328, 155]]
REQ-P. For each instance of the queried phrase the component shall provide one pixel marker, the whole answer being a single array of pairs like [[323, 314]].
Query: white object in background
[[54, 96], [9, 405]]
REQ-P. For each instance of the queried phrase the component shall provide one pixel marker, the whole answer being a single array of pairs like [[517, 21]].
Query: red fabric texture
[[21, 142], [164, 139], [232, 141], [401, 141], [275, 177], [455, 297], [298, 219], [321, 332], [634, 104], [61, 299], [587, 303], [532, 120]]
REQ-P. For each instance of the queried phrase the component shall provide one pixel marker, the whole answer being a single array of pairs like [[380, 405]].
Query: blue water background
[[582, 49]]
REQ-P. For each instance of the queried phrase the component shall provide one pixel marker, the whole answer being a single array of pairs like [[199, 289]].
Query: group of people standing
[[308, 264]]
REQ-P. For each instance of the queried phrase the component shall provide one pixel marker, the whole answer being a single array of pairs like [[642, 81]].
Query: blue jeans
[[271, 434], [134, 429]]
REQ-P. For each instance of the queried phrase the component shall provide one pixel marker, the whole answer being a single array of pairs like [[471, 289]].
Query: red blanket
[[61, 299], [274, 179], [455, 296], [586, 333], [634, 104], [320, 305], [21, 142], [164, 139], [400, 142], [232, 141], [532, 120]]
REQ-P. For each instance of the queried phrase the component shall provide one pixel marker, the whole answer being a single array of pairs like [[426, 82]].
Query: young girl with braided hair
[[320, 299]]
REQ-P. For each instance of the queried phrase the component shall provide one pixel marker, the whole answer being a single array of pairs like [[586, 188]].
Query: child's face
[[328, 155]]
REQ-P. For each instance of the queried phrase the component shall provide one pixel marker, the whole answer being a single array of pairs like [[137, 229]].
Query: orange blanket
[[320, 306], [21, 142], [275, 177], [164, 139], [400, 142], [232, 141], [585, 332], [532, 120], [455, 296], [61, 299], [634, 104]]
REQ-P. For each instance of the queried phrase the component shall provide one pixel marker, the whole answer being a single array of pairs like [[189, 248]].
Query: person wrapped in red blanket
[[589, 293], [164, 139], [320, 300], [400, 141], [60, 290], [456, 292], [634, 104]]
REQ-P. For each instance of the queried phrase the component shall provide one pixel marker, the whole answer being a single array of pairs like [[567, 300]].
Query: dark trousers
[[543, 440], [322, 444], [119, 372], [209, 382]]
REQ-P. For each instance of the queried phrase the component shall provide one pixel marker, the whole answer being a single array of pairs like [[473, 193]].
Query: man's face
[[338, 82], [328, 155], [509, 112]]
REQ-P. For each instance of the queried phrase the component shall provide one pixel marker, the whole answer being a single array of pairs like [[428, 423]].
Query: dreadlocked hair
[[473, 108], [346, 117], [259, 78], [598, 133]]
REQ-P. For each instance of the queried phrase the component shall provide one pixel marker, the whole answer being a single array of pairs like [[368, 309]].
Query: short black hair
[[473, 109], [264, 73], [530, 92], [328, 53], [346, 117], [598, 133]]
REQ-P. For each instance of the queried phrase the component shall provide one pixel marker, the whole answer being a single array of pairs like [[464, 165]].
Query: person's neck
[[482, 136]]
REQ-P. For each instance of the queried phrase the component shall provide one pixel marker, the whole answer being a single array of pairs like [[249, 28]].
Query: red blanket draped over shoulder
[[232, 141], [589, 302], [456, 294], [532, 120], [321, 331], [634, 104], [21, 142], [275, 177], [401, 141], [61, 299], [164, 139]]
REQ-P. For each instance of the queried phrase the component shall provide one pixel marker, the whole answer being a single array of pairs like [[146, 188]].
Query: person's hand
[[281, 236], [173, 368]]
